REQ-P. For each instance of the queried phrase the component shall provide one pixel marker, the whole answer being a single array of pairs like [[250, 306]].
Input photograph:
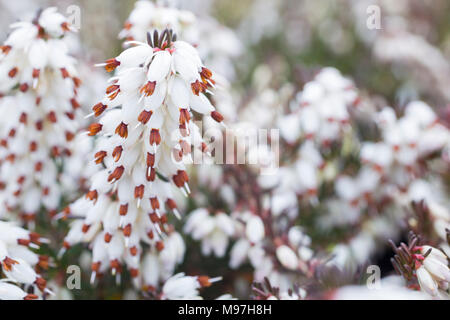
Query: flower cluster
[[39, 112], [182, 287], [146, 134]]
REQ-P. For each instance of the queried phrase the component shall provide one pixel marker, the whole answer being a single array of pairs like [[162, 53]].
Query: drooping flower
[[182, 287], [146, 135]]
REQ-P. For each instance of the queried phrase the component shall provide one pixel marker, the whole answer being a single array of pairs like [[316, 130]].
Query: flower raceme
[[145, 136], [39, 111]]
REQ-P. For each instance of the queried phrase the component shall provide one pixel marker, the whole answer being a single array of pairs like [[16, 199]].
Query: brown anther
[[150, 160], [75, 103], [39, 125], [144, 116], [65, 26], [178, 181], [24, 87], [70, 115], [21, 180], [8, 263], [117, 153], [35, 238], [134, 273], [148, 88], [55, 151], [204, 147], [99, 156], [177, 155], [127, 25], [85, 228], [151, 177], [38, 101], [99, 108], [116, 174], [45, 191], [217, 116], [139, 192], [12, 73], [10, 157], [115, 264], [122, 130], [114, 95], [150, 234], [111, 65], [23, 118], [66, 245], [159, 246], [133, 251], [185, 147], [76, 82], [38, 166], [41, 283], [94, 128], [155, 137], [153, 217], [64, 73], [43, 262], [198, 87], [112, 88], [23, 242], [171, 204], [51, 116], [127, 230], [36, 73], [66, 212], [204, 281], [33, 146], [123, 209], [184, 175], [92, 195], [206, 73], [154, 203], [95, 266], [184, 116], [69, 136], [5, 49], [107, 237], [164, 219]]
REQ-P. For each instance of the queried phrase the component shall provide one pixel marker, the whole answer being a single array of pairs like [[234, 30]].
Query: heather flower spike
[[145, 135], [39, 112]]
